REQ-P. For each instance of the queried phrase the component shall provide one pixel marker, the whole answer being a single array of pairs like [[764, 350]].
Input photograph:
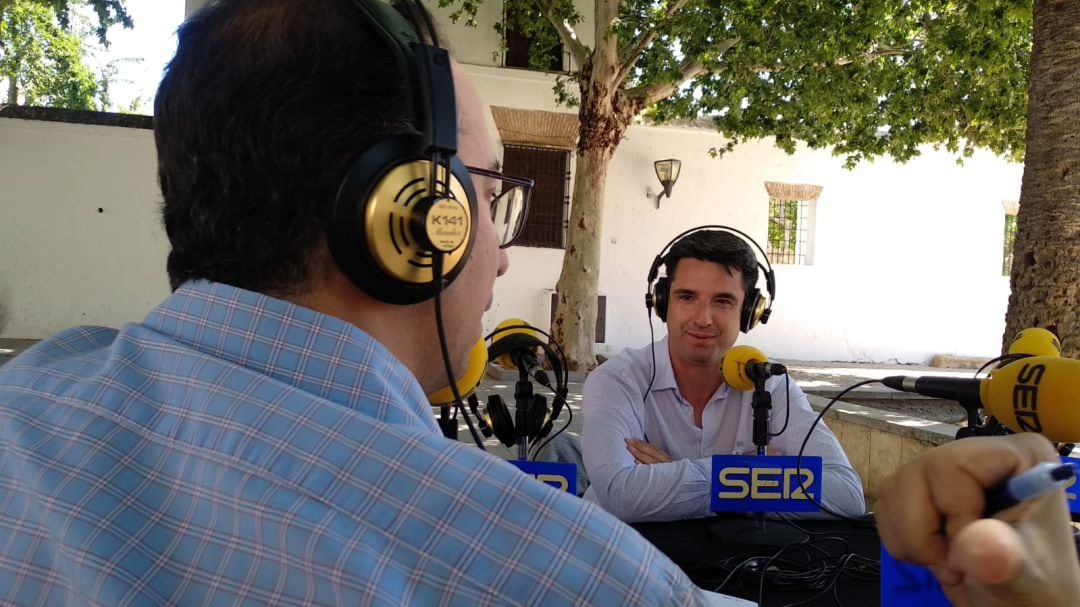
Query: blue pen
[[1038, 480]]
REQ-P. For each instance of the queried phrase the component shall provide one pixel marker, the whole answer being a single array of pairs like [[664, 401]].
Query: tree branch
[[877, 54], [882, 52], [626, 62], [688, 70], [566, 34], [655, 92]]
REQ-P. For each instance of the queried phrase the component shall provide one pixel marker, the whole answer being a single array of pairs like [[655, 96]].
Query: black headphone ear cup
[[370, 222], [541, 417], [752, 309], [660, 297], [502, 423]]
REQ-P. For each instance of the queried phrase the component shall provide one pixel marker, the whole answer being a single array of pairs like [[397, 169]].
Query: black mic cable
[[803, 486]]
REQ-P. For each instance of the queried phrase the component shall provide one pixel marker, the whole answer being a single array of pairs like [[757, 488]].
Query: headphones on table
[[404, 218], [755, 309], [495, 418]]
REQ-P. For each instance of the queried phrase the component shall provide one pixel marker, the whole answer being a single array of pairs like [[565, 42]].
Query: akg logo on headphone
[[447, 224]]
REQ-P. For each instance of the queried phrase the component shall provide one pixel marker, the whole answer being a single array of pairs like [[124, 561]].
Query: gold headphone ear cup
[[752, 311], [371, 223], [391, 214]]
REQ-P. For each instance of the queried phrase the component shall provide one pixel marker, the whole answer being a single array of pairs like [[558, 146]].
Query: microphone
[[1035, 341], [516, 347], [744, 366], [467, 382], [1034, 394]]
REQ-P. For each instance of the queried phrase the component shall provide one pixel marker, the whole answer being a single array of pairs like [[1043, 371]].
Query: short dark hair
[[256, 120], [719, 247]]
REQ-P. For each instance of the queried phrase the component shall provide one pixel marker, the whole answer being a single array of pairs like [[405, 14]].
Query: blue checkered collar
[[320, 354]]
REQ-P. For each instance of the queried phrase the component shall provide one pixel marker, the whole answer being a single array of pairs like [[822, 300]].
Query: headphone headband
[[770, 280]]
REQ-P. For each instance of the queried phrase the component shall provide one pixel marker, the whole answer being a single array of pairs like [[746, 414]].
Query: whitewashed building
[[893, 262]]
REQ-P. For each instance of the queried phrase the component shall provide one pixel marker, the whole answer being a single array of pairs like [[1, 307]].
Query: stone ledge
[[52, 114], [950, 361], [920, 429]]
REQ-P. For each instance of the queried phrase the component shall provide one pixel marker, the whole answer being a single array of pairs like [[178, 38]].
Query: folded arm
[[634, 491]]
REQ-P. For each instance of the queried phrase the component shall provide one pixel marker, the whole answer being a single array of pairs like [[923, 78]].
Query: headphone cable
[[652, 350], [437, 272]]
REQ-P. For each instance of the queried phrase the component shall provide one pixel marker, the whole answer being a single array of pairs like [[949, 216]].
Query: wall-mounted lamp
[[667, 171]]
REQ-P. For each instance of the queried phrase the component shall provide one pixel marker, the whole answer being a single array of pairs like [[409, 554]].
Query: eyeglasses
[[509, 202]]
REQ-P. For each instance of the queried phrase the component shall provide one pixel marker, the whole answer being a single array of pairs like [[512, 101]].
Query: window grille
[[787, 231], [545, 225], [1008, 242]]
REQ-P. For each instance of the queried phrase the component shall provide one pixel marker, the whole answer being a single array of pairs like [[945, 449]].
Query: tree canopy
[[877, 77], [109, 13], [42, 52]]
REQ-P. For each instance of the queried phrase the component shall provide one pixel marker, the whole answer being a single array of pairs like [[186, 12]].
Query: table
[[836, 564]]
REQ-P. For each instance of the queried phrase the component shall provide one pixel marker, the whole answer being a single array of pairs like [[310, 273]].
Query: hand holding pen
[[933, 511]]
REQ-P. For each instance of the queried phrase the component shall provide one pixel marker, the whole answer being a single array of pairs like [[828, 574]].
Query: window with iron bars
[[545, 226], [1008, 242], [788, 221]]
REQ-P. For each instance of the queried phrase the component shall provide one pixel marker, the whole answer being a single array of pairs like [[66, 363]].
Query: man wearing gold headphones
[[655, 416], [263, 436]]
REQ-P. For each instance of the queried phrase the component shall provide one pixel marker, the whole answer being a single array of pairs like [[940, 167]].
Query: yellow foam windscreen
[[733, 367], [468, 380], [1036, 394], [1035, 341], [502, 333]]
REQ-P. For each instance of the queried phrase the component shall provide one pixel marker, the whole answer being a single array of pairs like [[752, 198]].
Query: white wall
[[62, 262], [907, 259]]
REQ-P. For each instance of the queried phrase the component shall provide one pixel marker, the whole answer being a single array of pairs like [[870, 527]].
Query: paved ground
[[825, 379]]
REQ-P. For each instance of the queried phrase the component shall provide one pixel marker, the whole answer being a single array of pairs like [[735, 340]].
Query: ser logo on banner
[[771, 483], [562, 477]]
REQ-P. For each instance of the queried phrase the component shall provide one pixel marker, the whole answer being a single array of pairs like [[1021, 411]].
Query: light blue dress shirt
[[234, 449], [614, 410]]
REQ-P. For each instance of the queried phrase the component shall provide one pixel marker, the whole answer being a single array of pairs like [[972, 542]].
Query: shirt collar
[[314, 352], [665, 373]]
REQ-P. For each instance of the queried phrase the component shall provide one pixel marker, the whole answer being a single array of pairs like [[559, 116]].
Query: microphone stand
[[975, 426], [762, 405], [523, 398], [449, 425], [753, 532]]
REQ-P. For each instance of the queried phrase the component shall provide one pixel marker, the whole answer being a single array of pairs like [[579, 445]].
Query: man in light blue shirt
[[655, 416], [262, 436]]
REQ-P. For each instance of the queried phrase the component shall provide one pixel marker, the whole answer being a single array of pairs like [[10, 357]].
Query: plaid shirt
[[236, 449]]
